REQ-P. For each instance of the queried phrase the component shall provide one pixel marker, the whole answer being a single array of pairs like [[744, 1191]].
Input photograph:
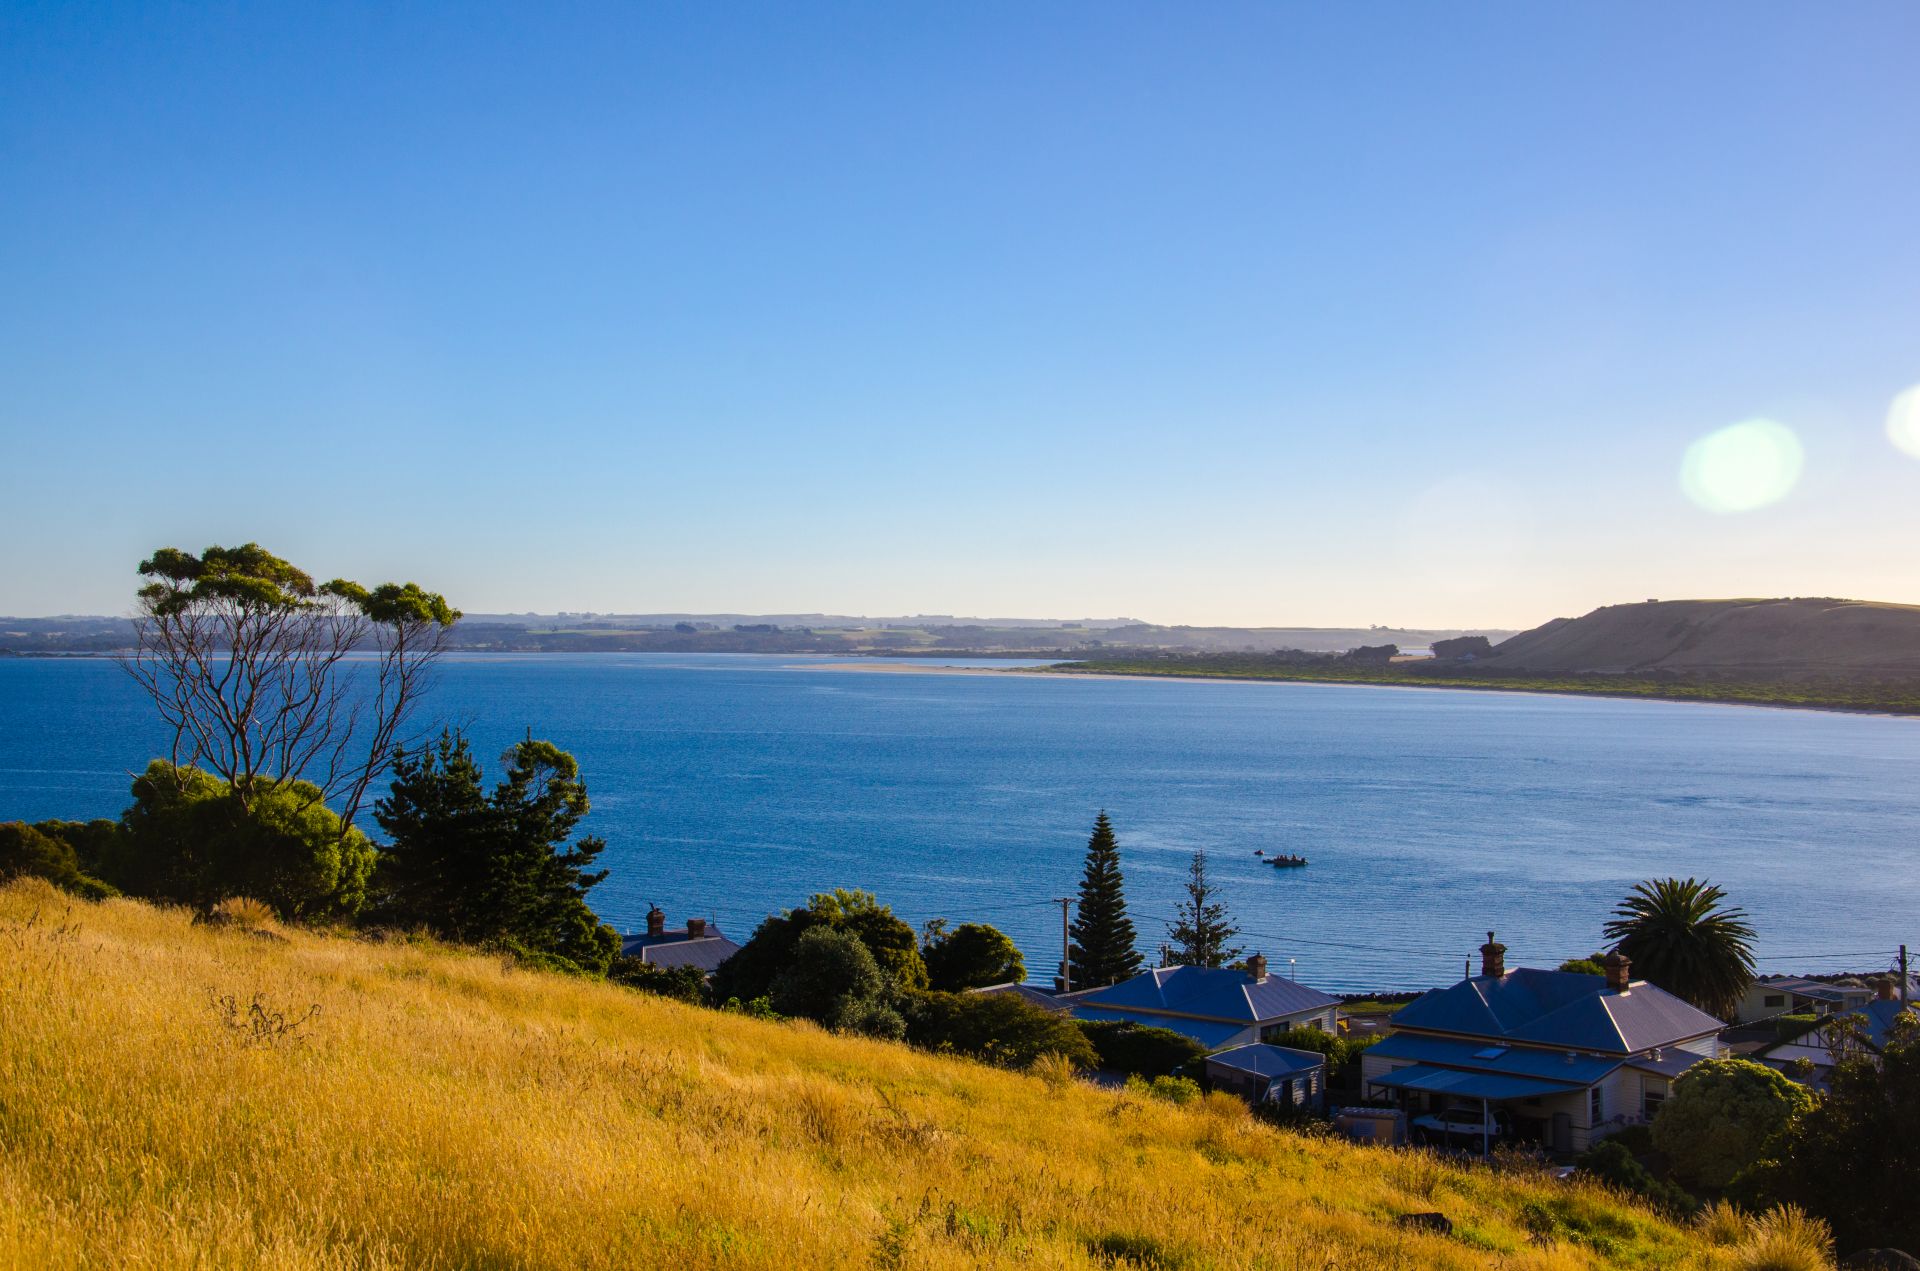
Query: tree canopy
[[190, 838], [248, 661], [1101, 947], [972, 955], [499, 867], [833, 979], [1680, 937], [750, 973], [1204, 927], [1721, 1113], [1852, 1157]]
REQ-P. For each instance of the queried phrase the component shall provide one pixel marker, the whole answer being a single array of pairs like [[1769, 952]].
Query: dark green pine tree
[[1101, 949], [1204, 927], [499, 868]]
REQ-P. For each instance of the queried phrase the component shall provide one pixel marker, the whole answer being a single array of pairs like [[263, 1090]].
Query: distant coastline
[[1778, 697]]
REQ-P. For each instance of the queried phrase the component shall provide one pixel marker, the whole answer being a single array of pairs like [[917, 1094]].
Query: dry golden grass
[[170, 1097]]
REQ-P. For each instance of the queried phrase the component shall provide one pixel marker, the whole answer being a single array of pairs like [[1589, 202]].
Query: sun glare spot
[[1743, 466], [1903, 421]]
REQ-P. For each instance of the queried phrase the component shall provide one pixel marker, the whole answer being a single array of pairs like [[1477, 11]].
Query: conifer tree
[[1101, 949], [1204, 927]]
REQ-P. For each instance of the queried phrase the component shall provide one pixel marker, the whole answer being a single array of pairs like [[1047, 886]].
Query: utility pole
[[1065, 978], [1905, 991]]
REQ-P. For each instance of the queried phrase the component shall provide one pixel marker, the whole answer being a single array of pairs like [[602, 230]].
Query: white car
[[1461, 1121]]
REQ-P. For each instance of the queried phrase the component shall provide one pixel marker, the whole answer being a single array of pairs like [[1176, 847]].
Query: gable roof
[[1027, 993], [1876, 1020], [1212, 993], [1263, 1060], [1558, 1008], [672, 949]]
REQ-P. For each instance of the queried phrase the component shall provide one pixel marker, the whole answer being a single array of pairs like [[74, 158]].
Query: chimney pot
[[1257, 968], [656, 921], [1493, 958], [696, 928], [1619, 970]]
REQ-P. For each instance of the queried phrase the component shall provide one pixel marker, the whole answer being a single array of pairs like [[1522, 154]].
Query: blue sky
[[1224, 313]]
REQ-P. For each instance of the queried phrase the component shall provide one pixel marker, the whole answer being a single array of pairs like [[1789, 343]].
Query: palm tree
[[1679, 937]]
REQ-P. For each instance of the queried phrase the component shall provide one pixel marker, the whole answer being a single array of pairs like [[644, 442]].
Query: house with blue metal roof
[[699, 945], [1811, 1057], [1550, 1057], [1260, 1073], [1216, 1006]]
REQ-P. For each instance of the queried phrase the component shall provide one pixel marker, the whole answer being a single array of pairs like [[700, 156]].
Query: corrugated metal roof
[[1570, 1067], [1209, 1033], [1559, 1008], [1211, 993], [706, 953], [1470, 1085], [1027, 993], [1263, 1060]]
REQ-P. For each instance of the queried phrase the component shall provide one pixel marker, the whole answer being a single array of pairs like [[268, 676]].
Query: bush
[[243, 912], [972, 956], [681, 983], [1721, 1113], [1343, 1053], [188, 839], [750, 973], [1124, 1046], [999, 1028], [1612, 1162], [834, 980], [26, 850], [1169, 1089]]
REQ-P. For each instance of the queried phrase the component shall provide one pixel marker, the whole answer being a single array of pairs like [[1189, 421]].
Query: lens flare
[[1743, 466], [1903, 421]]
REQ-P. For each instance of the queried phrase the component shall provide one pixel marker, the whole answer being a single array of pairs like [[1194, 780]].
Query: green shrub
[[834, 980], [1613, 1163], [1721, 1113], [1140, 1049], [1171, 1089], [999, 1028], [972, 956], [26, 850], [188, 839]]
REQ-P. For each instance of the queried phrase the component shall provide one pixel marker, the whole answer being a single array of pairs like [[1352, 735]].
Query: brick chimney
[[1257, 968], [656, 922], [1619, 972], [1886, 988], [696, 928], [1493, 957]]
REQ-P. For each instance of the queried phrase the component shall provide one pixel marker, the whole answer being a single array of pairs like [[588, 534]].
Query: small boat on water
[[1287, 861]]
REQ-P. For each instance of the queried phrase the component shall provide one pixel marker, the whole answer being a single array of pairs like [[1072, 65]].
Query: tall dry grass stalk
[[422, 1107]]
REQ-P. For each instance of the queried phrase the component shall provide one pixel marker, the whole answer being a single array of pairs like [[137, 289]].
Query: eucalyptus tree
[[1680, 937], [266, 678]]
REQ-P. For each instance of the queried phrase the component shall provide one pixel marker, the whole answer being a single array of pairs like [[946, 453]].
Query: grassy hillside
[[442, 1109], [1725, 638]]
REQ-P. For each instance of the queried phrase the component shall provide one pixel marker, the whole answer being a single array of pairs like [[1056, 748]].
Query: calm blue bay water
[[730, 786]]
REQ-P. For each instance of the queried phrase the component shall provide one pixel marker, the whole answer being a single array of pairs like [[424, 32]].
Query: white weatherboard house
[[1562, 1059], [1216, 1006]]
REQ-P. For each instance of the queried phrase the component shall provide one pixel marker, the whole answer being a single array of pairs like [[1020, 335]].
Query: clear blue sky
[[1396, 313]]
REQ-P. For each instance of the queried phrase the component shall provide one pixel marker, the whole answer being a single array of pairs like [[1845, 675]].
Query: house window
[[1775, 999], [1651, 1104], [1595, 1107]]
